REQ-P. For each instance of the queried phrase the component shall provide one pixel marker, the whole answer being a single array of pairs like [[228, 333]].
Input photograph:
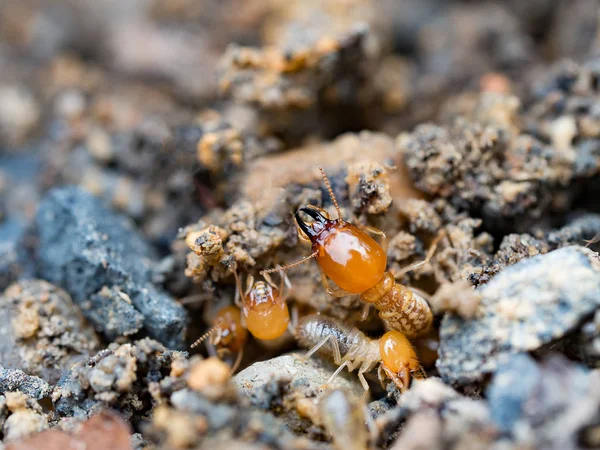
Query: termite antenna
[[593, 240], [204, 336], [330, 190], [290, 265]]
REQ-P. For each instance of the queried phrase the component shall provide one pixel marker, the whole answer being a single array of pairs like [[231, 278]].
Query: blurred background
[[115, 95]]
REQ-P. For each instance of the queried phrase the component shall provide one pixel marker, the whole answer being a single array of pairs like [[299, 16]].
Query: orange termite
[[349, 347], [357, 264], [227, 334], [264, 307]]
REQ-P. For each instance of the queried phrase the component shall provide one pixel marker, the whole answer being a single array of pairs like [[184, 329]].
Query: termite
[[227, 334], [357, 264], [351, 348], [344, 417], [264, 307]]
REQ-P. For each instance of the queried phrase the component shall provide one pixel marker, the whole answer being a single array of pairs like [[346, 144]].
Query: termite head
[[398, 358], [265, 310], [321, 222], [227, 331]]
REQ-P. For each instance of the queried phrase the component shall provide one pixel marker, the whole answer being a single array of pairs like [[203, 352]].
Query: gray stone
[[16, 380], [84, 248], [527, 305], [545, 405], [292, 387]]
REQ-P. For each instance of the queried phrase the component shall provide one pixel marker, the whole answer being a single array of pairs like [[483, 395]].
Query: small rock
[[527, 305], [21, 415], [11, 232], [17, 380], [587, 343], [102, 431], [86, 249], [209, 376], [291, 386], [438, 417], [41, 331], [19, 114], [547, 405], [118, 378]]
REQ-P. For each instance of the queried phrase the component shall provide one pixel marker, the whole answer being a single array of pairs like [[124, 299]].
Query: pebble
[[12, 380], [529, 304], [89, 250], [552, 404], [41, 331], [293, 387]]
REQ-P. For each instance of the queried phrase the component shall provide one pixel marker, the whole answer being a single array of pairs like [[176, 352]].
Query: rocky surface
[[98, 257], [528, 305], [43, 331], [147, 148], [292, 388], [120, 377]]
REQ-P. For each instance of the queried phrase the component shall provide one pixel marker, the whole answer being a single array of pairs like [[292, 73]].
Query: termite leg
[[381, 234], [419, 374], [337, 372], [249, 284], [238, 360], [284, 282], [333, 292], [365, 311], [337, 358], [593, 240], [381, 376], [237, 299], [210, 348], [428, 257], [361, 375], [293, 325], [405, 377]]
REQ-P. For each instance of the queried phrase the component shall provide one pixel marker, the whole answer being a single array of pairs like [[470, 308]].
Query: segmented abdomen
[[405, 311], [313, 329]]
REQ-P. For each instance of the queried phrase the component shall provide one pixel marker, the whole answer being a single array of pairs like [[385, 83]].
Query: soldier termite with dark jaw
[[264, 307], [227, 334], [351, 348], [357, 264]]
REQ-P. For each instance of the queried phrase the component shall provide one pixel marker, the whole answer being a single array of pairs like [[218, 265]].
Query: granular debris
[[105, 430], [43, 331], [21, 416], [105, 265], [119, 379], [149, 149], [527, 305]]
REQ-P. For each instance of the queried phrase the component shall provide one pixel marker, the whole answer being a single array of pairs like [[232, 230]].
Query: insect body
[[357, 264], [265, 311], [351, 348], [227, 334]]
